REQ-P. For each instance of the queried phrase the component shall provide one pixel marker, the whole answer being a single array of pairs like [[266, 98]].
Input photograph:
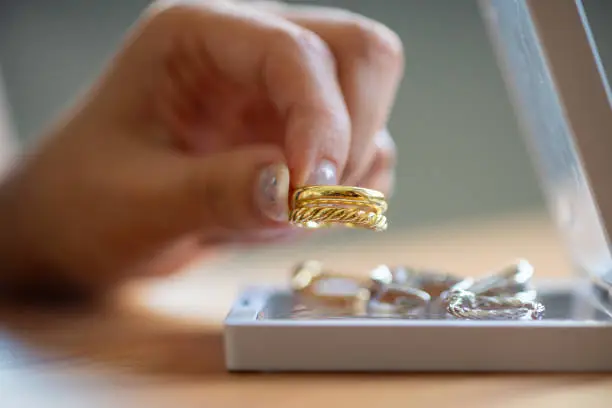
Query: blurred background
[[461, 152]]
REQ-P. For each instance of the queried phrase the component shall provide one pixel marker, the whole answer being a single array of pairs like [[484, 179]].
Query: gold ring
[[318, 288], [324, 206]]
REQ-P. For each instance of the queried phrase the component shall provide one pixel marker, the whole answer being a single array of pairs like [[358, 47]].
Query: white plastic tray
[[575, 335]]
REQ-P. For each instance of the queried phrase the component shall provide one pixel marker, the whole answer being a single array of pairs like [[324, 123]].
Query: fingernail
[[273, 192], [324, 175]]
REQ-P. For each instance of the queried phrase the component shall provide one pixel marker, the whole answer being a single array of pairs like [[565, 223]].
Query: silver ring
[[467, 305], [513, 280], [433, 282], [509, 280], [398, 300], [325, 291]]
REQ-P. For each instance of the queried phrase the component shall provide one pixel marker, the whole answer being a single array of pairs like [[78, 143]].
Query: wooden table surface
[[160, 344]]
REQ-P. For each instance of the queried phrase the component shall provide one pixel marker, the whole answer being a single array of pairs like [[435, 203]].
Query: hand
[[196, 132]]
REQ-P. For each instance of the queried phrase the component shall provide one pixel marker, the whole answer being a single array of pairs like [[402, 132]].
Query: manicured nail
[[324, 175], [272, 193]]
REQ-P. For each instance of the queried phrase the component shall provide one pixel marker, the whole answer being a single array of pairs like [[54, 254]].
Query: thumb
[[238, 190]]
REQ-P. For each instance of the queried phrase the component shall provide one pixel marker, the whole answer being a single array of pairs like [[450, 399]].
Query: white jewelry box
[[575, 336], [561, 96]]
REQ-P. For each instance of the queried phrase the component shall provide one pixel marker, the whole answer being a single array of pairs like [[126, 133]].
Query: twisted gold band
[[323, 206], [313, 217]]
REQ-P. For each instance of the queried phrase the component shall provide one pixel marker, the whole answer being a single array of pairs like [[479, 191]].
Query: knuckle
[[176, 17], [387, 158], [386, 150], [311, 44], [163, 23], [374, 41], [170, 7], [164, 12], [306, 43]]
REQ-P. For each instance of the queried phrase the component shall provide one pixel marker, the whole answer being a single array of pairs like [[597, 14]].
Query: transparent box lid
[[557, 84]]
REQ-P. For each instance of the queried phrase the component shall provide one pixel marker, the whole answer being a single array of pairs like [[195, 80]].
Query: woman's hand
[[194, 135]]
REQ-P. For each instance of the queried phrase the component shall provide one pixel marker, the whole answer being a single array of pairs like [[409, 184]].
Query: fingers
[[235, 192], [370, 63], [293, 66], [381, 173]]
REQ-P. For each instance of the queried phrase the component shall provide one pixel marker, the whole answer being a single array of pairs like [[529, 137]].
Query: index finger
[[291, 64]]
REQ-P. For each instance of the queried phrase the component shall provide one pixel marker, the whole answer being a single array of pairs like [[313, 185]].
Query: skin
[[156, 163]]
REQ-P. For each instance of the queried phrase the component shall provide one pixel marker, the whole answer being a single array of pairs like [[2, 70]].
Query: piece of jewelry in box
[[403, 292]]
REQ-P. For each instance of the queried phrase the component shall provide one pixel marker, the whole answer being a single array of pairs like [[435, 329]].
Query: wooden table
[[160, 344]]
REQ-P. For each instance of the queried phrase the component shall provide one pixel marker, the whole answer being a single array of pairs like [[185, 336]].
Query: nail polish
[[324, 175], [273, 191]]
